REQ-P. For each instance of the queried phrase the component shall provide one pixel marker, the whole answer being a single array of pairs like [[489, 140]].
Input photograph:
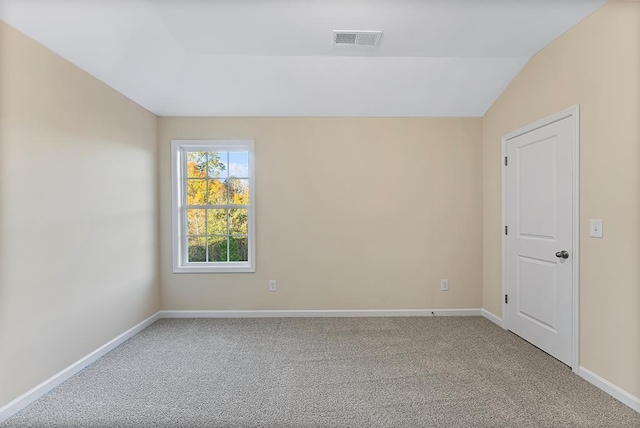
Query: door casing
[[574, 113]]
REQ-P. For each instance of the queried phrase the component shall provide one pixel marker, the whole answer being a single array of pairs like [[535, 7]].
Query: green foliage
[[204, 164], [238, 249]]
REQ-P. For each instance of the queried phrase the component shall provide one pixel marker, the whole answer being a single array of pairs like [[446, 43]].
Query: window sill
[[227, 268]]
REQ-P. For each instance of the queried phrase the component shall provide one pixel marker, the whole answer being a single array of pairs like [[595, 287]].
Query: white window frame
[[179, 148]]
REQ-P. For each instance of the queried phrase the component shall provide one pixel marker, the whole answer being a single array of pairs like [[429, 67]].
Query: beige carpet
[[326, 372]]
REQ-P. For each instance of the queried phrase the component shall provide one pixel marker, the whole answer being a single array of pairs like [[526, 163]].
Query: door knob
[[564, 254]]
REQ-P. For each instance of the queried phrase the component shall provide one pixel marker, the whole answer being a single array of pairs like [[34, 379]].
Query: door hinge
[[506, 298], [506, 230], [506, 161]]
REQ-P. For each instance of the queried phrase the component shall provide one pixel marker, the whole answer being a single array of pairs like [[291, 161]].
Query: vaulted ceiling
[[276, 57]]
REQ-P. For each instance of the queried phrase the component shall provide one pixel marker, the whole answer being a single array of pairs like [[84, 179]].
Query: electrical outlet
[[595, 228], [444, 285], [273, 285]]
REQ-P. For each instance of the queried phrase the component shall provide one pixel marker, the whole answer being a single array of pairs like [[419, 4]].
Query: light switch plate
[[595, 228]]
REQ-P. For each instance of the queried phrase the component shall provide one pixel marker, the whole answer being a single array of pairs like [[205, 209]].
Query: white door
[[539, 192]]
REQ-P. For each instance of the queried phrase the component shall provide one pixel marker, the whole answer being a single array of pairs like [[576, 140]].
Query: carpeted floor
[[326, 372]]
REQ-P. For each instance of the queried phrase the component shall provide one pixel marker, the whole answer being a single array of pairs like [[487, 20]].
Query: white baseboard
[[323, 313], [33, 394], [491, 317], [611, 389]]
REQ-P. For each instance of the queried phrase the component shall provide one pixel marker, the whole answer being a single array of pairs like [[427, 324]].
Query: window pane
[[238, 222], [238, 249], [197, 249], [217, 222], [239, 164], [217, 192], [214, 206], [195, 222], [196, 192], [196, 164], [238, 191], [217, 248], [217, 167]]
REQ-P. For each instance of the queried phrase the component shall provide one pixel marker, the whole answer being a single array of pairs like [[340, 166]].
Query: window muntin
[[213, 206]]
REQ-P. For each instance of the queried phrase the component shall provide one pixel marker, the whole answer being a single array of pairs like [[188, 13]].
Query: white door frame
[[574, 112]]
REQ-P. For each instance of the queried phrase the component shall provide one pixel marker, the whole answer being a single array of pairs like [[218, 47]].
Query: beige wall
[[78, 208], [351, 214], [596, 65]]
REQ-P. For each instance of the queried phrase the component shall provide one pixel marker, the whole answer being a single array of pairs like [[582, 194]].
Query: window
[[213, 206]]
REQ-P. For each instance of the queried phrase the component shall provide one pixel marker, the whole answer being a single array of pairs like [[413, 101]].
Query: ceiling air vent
[[356, 38]]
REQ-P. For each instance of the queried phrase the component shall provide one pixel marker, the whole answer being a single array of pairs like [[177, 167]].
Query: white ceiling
[[275, 57]]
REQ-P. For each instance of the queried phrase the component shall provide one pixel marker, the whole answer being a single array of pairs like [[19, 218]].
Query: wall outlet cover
[[595, 228]]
